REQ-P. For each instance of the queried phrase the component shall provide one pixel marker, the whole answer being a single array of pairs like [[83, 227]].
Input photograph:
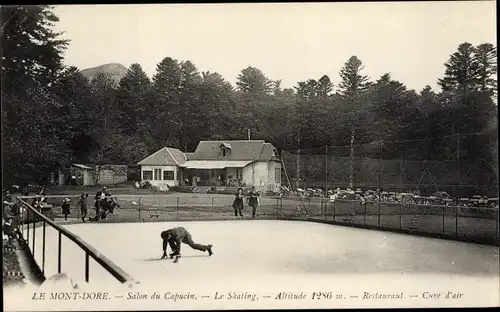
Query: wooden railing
[[90, 252]]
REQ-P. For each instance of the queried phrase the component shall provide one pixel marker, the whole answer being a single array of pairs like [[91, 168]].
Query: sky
[[288, 42]]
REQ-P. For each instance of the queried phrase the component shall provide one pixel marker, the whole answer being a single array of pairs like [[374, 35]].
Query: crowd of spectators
[[438, 198]]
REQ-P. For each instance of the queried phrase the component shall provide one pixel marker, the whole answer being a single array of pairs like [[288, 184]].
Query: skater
[[174, 237], [66, 208], [253, 200], [238, 203], [83, 205]]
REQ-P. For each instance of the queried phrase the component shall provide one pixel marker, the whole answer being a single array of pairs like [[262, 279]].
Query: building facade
[[216, 163]]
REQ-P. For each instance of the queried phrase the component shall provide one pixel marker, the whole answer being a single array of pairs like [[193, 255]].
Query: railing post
[[43, 248], [34, 237], [59, 246], [28, 227], [87, 267]]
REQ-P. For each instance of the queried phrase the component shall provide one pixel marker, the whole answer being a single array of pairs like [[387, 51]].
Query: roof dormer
[[225, 148]]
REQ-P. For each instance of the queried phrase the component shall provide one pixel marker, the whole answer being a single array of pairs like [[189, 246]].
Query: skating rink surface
[[254, 261]]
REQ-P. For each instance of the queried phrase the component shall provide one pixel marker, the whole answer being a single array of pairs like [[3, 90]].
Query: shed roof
[[82, 166]]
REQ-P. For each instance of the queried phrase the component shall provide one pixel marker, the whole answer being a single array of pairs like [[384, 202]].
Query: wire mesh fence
[[461, 164], [467, 223]]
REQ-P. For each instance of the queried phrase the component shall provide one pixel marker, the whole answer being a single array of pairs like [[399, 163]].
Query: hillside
[[115, 70]]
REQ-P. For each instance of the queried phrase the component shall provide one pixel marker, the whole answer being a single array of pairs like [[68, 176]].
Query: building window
[[224, 152], [147, 175], [239, 173], [157, 174], [277, 175], [168, 175]]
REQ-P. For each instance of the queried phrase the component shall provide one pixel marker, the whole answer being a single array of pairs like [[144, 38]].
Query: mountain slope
[[115, 70]]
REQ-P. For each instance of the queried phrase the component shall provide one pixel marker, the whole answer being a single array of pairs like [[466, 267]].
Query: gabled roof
[[166, 156], [240, 150], [267, 153]]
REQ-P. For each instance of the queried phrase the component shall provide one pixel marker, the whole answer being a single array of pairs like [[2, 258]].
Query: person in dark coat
[[253, 200], [100, 197], [238, 203], [174, 237], [83, 205], [66, 208]]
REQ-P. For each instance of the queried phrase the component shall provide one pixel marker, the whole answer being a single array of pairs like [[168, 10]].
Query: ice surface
[[275, 256]]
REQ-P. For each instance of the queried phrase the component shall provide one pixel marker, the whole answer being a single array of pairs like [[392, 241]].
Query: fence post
[[364, 218], [400, 216], [177, 208], [334, 206], [43, 248], [326, 207], [442, 234], [140, 204], [213, 207], [378, 217], [77, 212], [59, 254], [497, 224], [456, 220]]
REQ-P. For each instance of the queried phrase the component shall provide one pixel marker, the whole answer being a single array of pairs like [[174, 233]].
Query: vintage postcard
[[250, 156]]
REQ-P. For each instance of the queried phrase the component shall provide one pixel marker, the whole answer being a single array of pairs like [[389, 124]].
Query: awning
[[214, 164]]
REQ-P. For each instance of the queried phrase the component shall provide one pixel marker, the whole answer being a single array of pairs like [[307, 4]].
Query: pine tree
[[31, 145], [252, 80], [325, 86], [133, 101], [352, 87], [462, 71], [353, 82], [486, 58]]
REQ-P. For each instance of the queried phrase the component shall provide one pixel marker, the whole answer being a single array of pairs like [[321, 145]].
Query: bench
[[153, 213]]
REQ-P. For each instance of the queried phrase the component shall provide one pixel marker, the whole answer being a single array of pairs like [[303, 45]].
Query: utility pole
[[458, 163], [326, 169], [351, 171], [298, 161], [248, 134], [380, 169]]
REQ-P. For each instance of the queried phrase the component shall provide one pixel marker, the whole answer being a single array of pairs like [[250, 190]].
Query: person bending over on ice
[[174, 237]]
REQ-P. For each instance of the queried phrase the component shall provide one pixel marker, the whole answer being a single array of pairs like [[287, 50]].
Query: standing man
[[238, 203], [253, 200], [174, 237], [83, 205]]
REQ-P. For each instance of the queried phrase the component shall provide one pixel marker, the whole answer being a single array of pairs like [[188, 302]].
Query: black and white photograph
[[326, 155]]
